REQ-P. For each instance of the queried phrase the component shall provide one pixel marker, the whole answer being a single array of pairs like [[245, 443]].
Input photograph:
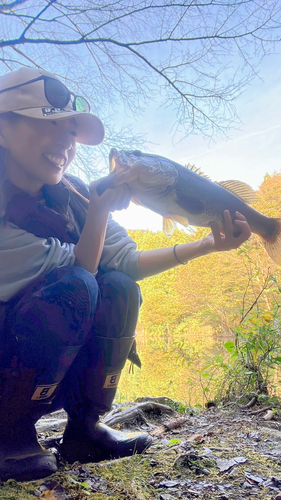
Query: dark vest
[[58, 213]]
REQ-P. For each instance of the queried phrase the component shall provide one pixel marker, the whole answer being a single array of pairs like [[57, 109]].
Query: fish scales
[[181, 194], [214, 199]]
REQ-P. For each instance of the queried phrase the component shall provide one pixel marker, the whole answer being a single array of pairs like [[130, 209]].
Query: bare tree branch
[[8, 6], [34, 19], [26, 57], [130, 52]]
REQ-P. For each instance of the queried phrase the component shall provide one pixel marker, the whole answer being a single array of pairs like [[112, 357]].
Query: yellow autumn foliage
[[190, 311]]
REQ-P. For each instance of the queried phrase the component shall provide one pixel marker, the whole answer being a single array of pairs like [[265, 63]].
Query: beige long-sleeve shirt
[[24, 256]]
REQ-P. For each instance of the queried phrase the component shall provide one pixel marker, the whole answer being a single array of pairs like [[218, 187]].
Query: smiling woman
[[29, 156], [69, 301], [38, 152], [27, 96], [47, 300]]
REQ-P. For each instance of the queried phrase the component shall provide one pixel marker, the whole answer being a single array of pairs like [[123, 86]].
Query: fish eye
[[137, 153]]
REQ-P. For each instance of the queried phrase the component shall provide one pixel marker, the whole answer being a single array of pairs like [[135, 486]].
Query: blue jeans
[[58, 319]]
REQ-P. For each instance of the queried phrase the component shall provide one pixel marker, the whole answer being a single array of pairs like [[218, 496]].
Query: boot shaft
[[91, 384]]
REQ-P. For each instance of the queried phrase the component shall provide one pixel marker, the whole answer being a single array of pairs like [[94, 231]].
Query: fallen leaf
[[165, 496], [51, 490], [253, 479], [49, 495], [226, 464], [198, 438], [273, 482], [168, 484]]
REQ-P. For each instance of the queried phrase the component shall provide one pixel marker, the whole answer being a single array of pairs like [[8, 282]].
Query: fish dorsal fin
[[168, 226], [197, 170], [178, 218], [240, 189]]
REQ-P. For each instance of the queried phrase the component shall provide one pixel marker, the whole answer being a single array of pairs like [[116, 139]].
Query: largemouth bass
[[184, 195]]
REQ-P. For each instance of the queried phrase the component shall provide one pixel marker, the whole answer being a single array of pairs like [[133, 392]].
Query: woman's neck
[[33, 189], [21, 178], [10, 190]]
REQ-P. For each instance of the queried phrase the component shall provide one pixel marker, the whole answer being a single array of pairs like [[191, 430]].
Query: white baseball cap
[[39, 94]]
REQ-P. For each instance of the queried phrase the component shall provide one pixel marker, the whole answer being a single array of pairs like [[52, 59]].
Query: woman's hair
[[13, 117]]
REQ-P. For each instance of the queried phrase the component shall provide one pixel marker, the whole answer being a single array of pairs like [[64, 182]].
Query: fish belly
[[167, 206]]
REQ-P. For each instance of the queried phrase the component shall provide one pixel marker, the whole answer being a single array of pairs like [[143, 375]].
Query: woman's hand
[[115, 198], [88, 249], [233, 235], [152, 262]]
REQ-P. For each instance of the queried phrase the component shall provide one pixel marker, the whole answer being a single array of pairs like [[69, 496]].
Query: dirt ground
[[213, 454]]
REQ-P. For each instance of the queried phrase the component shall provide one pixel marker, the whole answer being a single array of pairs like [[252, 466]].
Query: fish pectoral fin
[[180, 219], [240, 189], [169, 226]]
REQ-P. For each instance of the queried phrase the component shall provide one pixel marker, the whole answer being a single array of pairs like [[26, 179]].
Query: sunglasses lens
[[56, 93], [81, 105]]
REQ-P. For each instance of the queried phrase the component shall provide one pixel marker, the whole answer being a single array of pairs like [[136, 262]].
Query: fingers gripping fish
[[184, 195]]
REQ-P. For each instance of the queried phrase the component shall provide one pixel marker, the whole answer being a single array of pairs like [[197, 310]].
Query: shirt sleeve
[[24, 257], [119, 251]]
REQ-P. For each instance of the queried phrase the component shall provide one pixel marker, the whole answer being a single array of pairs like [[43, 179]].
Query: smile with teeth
[[56, 159]]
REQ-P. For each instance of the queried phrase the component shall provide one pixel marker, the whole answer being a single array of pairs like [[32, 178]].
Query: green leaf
[[230, 346], [174, 441]]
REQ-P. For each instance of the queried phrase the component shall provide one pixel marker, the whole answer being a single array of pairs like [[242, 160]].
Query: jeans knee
[[62, 308], [118, 305], [72, 284], [122, 286]]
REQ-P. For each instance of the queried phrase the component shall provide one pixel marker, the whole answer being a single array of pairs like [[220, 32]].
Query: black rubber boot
[[21, 456], [93, 441], [90, 394]]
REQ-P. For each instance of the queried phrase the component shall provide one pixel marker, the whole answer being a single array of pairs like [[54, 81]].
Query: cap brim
[[90, 129]]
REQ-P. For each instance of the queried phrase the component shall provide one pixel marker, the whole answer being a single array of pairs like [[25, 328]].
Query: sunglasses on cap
[[57, 94]]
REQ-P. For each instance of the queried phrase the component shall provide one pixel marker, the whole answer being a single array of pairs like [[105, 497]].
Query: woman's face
[[37, 151]]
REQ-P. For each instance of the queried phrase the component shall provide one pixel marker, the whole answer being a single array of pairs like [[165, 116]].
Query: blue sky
[[247, 154]]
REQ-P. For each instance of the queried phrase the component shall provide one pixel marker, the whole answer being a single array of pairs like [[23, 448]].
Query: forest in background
[[210, 329]]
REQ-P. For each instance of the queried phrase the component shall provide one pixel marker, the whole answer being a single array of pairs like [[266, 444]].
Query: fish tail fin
[[272, 243]]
